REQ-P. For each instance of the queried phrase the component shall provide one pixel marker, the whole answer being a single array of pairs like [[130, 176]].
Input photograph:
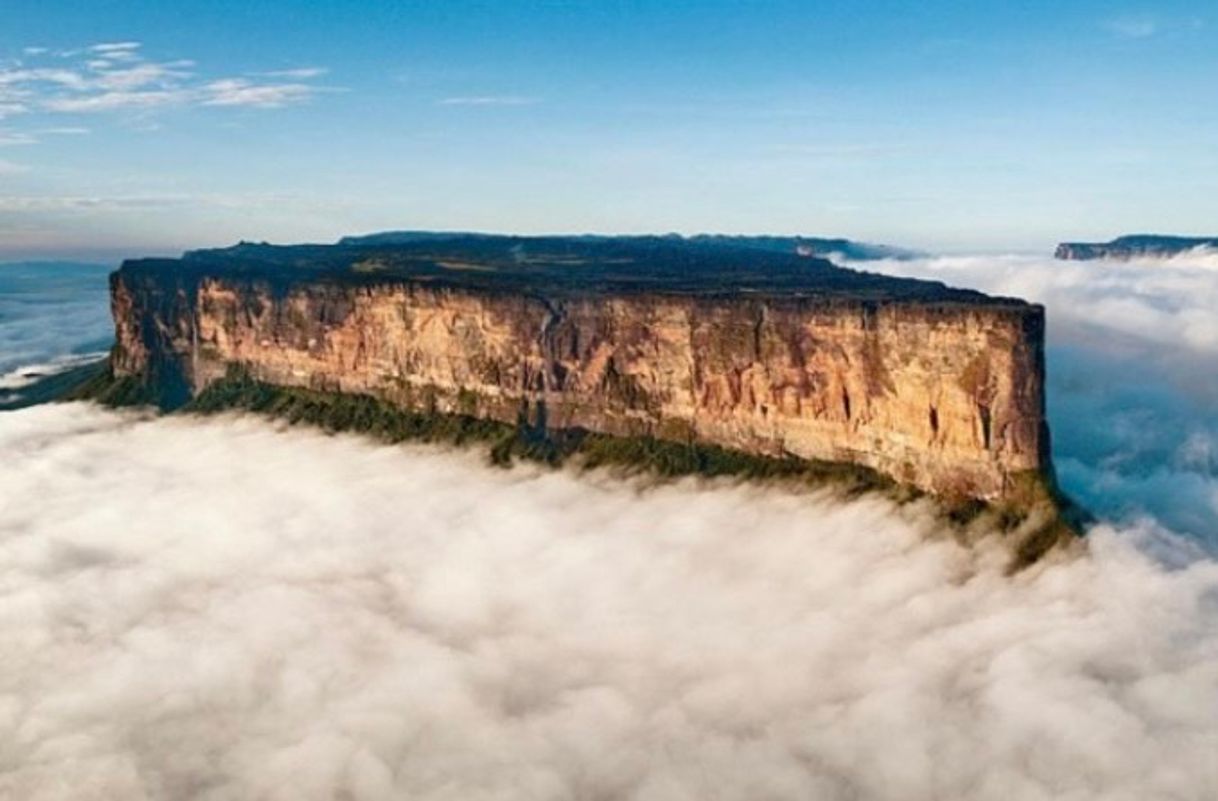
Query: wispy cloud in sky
[[1133, 26], [490, 100], [27, 203], [115, 76], [114, 100], [300, 73], [242, 92], [10, 138], [1146, 26], [157, 200], [115, 47]]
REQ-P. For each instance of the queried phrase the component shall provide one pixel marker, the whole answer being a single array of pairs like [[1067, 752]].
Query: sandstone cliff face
[[948, 397]]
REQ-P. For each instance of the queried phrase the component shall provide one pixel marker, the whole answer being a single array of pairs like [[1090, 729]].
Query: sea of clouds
[[226, 609], [230, 611]]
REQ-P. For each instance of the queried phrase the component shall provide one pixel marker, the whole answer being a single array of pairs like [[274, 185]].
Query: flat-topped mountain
[[696, 342], [1134, 246]]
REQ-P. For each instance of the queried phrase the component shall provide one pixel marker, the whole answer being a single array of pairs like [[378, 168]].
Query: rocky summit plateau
[[681, 343], [824, 247]]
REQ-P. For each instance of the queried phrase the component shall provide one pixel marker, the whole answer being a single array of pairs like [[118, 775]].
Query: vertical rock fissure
[[549, 350], [758, 324]]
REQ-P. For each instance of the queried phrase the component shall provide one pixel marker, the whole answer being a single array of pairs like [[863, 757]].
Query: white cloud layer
[[222, 611]]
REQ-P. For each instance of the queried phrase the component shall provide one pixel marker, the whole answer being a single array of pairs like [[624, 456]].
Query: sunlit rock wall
[[948, 397]]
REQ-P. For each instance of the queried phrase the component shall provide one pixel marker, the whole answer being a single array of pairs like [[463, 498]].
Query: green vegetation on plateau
[[551, 265]]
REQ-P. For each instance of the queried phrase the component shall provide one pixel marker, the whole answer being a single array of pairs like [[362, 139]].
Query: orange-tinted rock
[[943, 394]]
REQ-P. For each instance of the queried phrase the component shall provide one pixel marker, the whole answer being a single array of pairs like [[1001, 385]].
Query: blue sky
[[140, 127]]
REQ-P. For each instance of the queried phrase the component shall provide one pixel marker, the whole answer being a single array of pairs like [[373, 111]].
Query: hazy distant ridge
[[1133, 246]]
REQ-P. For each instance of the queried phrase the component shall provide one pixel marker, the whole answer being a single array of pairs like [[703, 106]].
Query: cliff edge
[[763, 353]]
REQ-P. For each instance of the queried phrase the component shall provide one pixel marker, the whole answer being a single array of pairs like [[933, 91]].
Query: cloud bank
[[1133, 375], [231, 611]]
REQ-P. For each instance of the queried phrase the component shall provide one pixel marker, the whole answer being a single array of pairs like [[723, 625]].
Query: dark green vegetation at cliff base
[[1038, 517], [110, 390]]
